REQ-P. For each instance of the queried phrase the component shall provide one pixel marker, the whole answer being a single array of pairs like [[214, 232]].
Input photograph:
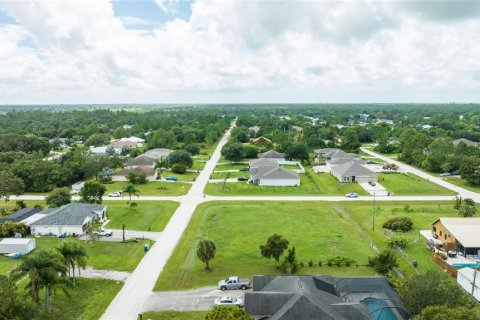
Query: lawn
[[230, 166], [311, 184], [222, 175], [175, 315], [88, 300], [102, 255], [154, 188], [188, 176], [462, 183], [239, 228], [411, 185], [328, 229], [146, 216]]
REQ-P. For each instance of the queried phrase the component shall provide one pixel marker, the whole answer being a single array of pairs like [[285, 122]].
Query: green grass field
[[87, 301], [154, 188], [230, 166], [184, 177], [328, 229], [411, 185], [462, 183], [175, 315], [146, 216], [102, 255], [222, 175], [311, 184]]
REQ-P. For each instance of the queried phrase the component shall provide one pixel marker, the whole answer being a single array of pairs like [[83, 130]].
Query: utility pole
[[373, 213]]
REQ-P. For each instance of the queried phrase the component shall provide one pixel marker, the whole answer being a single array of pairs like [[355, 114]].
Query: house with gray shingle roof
[[20, 215], [267, 172], [272, 155], [323, 297], [353, 171], [70, 219]]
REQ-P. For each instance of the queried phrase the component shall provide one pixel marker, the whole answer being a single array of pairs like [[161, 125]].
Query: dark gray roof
[[20, 215], [352, 168], [70, 214], [263, 162], [158, 153], [141, 160], [271, 155], [273, 172], [321, 297]]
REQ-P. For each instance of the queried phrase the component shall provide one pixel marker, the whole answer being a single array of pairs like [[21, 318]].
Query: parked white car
[[104, 232], [351, 195], [229, 302], [115, 194]]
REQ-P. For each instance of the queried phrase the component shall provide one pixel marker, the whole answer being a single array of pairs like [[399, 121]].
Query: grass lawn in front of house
[[230, 166], [151, 188], [232, 175], [175, 315], [188, 176], [146, 216], [411, 185]]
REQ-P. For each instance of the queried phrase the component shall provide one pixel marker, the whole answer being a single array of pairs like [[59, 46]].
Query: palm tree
[[74, 255], [45, 269], [130, 190]]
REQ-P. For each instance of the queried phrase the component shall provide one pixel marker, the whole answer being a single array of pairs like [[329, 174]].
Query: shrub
[[401, 243], [320, 263], [384, 262], [310, 263], [179, 168], [402, 224], [8, 229], [137, 178]]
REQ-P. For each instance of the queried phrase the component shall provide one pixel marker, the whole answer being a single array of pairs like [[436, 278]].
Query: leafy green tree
[[233, 152], [448, 313], [59, 197], [384, 262], [180, 156], [91, 230], [227, 313], [206, 251], [192, 148], [45, 269], [105, 175], [290, 264], [251, 151], [162, 139], [432, 289], [179, 168], [467, 210], [13, 306], [350, 141], [297, 151], [131, 191], [470, 170], [10, 185], [97, 139], [274, 248], [137, 178], [74, 255], [92, 192]]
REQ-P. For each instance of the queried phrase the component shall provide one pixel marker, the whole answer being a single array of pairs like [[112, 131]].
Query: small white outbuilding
[[17, 245], [469, 281]]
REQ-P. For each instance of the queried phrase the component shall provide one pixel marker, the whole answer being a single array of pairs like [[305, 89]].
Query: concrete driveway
[[377, 189], [197, 299]]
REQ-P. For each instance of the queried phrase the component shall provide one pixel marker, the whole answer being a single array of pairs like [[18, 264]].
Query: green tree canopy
[[181, 157], [274, 248], [233, 152], [92, 192], [10, 184], [206, 251], [384, 262], [59, 197]]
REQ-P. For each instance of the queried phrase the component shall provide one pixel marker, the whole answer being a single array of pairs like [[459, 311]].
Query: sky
[[171, 51]]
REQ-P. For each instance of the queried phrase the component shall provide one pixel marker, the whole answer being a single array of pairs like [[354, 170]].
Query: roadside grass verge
[[462, 183], [146, 216], [151, 188], [411, 185], [175, 315]]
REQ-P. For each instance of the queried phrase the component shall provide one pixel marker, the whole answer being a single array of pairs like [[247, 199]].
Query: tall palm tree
[[45, 269], [131, 191], [74, 255]]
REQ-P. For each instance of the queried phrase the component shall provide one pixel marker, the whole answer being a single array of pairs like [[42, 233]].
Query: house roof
[[265, 140], [149, 171], [20, 215], [254, 129], [70, 214], [271, 155], [466, 141], [121, 144], [465, 230], [352, 168], [263, 162], [342, 161], [276, 172], [133, 139], [158, 153], [321, 297], [141, 160], [323, 151]]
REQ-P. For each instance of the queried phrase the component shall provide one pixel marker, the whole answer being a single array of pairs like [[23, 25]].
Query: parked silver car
[[229, 302]]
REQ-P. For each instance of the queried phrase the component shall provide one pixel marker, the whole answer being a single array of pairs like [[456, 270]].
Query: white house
[[467, 280], [17, 245], [273, 155], [70, 219], [267, 172], [353, 171], [137, 140]]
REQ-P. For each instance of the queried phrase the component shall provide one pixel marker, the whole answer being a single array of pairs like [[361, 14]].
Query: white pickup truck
[[234, 283]]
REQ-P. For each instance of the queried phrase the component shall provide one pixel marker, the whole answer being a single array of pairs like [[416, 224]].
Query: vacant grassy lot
[[188, 176], [239, 228], [230, 166], [153, 188], [408, 184], [146, 216], [462, 183], [311, 184], [102, 255], [222, 175], [327, 230], [175, 315], [87, 301]]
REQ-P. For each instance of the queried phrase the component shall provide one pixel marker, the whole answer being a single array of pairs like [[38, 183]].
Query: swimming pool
[[379, 309]]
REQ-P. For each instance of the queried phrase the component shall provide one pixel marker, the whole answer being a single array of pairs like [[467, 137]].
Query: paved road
[[197, 299], [329, 198], [127, 304], [464, 193]]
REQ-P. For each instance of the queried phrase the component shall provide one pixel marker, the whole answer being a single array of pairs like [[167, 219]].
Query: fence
[[438, 260]]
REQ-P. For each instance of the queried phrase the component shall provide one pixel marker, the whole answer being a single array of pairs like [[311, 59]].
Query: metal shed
[[17, 245]]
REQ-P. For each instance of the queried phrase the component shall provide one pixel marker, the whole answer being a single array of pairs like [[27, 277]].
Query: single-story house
[[254, 129], [458, 234], [142, 160], [274, 155], [467, 280], [104, 150], [308, 297], [70, 219], [119, 144], [158, 153], [261, 141], [353, 171], [20, 215], [466, 141], [133, 139], [267, 172], [150, 173], [17, 245]]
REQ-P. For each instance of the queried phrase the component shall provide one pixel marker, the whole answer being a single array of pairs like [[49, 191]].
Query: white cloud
[[238, 51]]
